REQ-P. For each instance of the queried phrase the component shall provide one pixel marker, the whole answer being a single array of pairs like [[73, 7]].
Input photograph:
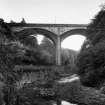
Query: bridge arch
[[30, 31], [66, 42], [73, 32]]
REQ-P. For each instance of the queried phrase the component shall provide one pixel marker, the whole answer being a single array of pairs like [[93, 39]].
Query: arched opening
[[45, 39], [71, 46], [71, 42]]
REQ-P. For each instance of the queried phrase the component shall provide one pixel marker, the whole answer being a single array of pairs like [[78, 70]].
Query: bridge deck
[[45, 25]]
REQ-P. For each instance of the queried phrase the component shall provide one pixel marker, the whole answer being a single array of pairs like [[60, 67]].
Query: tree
[[16, 51], [91, 65], [68, 57], [23, 21], [47, 46], [96, 30], [91, 59]]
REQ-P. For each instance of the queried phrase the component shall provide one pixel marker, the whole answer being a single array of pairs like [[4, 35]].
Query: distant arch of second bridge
[[73, 32], [31, 31]]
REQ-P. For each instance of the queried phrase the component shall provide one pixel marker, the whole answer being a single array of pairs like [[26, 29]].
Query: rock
[[75, 92]]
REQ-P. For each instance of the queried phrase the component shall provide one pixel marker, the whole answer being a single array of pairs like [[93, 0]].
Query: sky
[[54, 12], [73, 42], [50, 11]]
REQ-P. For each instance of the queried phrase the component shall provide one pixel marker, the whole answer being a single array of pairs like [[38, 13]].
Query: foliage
[[47, 46], [15, 51], [91, 59], [76, 93], [95, 30], [33, 92], [91, 65], [68, 57]]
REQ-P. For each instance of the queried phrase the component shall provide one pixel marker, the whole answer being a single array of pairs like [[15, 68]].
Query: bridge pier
[[58, 51]]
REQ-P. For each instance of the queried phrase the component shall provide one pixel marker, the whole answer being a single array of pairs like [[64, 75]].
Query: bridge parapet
[[57, 29]]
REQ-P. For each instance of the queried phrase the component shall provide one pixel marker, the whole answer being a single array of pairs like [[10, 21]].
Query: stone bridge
[[56, 32]]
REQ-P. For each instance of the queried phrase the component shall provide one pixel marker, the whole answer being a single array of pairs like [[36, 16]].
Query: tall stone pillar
[[58, 51]]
